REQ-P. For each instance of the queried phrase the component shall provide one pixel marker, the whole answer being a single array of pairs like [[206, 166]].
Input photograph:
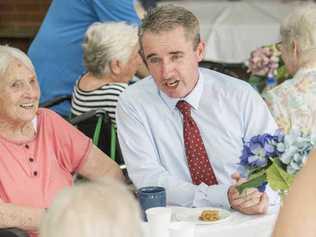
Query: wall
[[20, 20]]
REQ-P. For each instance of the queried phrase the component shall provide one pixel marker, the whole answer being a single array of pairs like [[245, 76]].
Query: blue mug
[[153, 196]]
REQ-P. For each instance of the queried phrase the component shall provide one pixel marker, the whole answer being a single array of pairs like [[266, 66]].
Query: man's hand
[[250, 201]]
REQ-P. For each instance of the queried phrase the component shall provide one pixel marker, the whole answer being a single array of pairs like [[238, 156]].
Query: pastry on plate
[[209, 215]]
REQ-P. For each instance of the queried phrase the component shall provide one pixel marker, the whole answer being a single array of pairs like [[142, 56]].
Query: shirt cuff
[[214, 196]]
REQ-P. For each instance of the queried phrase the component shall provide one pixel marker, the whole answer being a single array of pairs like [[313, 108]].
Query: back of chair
[[97, 125], [13, 232]]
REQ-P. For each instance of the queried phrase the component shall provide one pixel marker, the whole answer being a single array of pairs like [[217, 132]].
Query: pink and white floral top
[[293, 103]]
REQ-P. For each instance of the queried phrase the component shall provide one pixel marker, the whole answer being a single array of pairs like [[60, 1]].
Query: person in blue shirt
[[56, 51], [154, 132]]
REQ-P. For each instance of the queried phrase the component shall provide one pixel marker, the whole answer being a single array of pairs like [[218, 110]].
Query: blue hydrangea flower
[[257, 151], [297, 147], [290, 152]]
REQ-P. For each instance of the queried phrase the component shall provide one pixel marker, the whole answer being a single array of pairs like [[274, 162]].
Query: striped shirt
[[105, 97]]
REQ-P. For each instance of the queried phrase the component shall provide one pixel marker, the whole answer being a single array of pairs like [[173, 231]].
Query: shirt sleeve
[[145, 169], [71, 145], [116, 10], [257, 119]]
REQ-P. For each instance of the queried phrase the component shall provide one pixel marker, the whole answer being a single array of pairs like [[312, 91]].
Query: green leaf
[[282, 74], [278, 178], [253, 182], [257, 82], [256, 172]]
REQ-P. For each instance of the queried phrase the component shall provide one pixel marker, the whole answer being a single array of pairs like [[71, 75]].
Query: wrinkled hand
[[250, 201]]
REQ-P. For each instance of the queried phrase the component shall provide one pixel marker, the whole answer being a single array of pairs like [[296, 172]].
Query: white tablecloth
[[237, 225], [232, 29]]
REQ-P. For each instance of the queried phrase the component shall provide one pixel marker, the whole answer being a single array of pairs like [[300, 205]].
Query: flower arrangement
[[266, 67], [274, 159]]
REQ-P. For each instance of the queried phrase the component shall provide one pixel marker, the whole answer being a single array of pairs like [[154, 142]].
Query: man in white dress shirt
[[225, 110]]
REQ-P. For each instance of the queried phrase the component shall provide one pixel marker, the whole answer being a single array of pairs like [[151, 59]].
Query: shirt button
[[35, 173], [27, 146], [31, 159]]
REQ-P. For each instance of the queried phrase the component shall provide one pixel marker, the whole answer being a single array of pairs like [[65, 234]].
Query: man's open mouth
[[172, 83]]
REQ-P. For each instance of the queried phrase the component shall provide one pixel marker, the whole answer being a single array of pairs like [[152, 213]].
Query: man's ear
[[200, 50], [115, 66]]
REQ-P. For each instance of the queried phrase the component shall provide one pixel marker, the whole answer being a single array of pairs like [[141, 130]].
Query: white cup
[[158, 221], [181, 229]]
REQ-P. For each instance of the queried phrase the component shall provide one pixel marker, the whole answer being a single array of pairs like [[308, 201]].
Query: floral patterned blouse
[[293, 103]]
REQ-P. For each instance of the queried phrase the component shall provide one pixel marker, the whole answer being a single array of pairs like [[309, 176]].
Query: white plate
[[192, 215]]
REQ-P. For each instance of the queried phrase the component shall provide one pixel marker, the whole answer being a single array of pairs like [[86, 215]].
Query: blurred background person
[[293, 103], [110, 52], [298, 213], [95, 209], [148, 4], [56, 50], [39, 150]]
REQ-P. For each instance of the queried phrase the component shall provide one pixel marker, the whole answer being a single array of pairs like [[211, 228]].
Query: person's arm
[[145, 168], [99, 164], [298, 213], [25, 218]]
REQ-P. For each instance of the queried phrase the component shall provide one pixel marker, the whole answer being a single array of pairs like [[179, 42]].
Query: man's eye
[[154, 60], [176, 57]]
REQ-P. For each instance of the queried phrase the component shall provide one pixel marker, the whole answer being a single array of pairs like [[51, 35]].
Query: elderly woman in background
[[97, 209], [293, 103], [298, 213], [111, 59], [39, 150]]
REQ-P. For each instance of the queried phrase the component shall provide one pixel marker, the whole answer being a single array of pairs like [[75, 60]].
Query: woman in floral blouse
[[293, 103]]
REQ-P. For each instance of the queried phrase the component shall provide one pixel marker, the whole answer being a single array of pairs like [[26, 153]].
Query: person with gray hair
[[39, 150], [62, 32], [292, 103], [103, 208], [183, 127], [111, 58]]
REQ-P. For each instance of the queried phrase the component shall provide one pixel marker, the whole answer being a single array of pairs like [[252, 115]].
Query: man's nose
[[166, 69]]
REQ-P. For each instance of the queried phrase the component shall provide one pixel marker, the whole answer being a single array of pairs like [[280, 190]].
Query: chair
[[55, 101], [13, 232], [94, 123], [97, 125], [237, 70]]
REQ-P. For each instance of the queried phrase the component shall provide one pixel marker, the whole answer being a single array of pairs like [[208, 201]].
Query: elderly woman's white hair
[[104, 208], [7, 54], [300, 26], [105, 42]]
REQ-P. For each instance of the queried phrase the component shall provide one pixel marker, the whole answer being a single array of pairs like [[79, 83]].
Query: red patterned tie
[[198, 162]]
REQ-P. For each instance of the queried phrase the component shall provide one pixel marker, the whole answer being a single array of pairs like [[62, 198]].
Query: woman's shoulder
[[117, 85], [49, 116], [280, 90], [301, 83]]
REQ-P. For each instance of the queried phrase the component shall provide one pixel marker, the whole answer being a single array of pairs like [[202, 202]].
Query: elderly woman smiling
[[39, 151], [293, 103]]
